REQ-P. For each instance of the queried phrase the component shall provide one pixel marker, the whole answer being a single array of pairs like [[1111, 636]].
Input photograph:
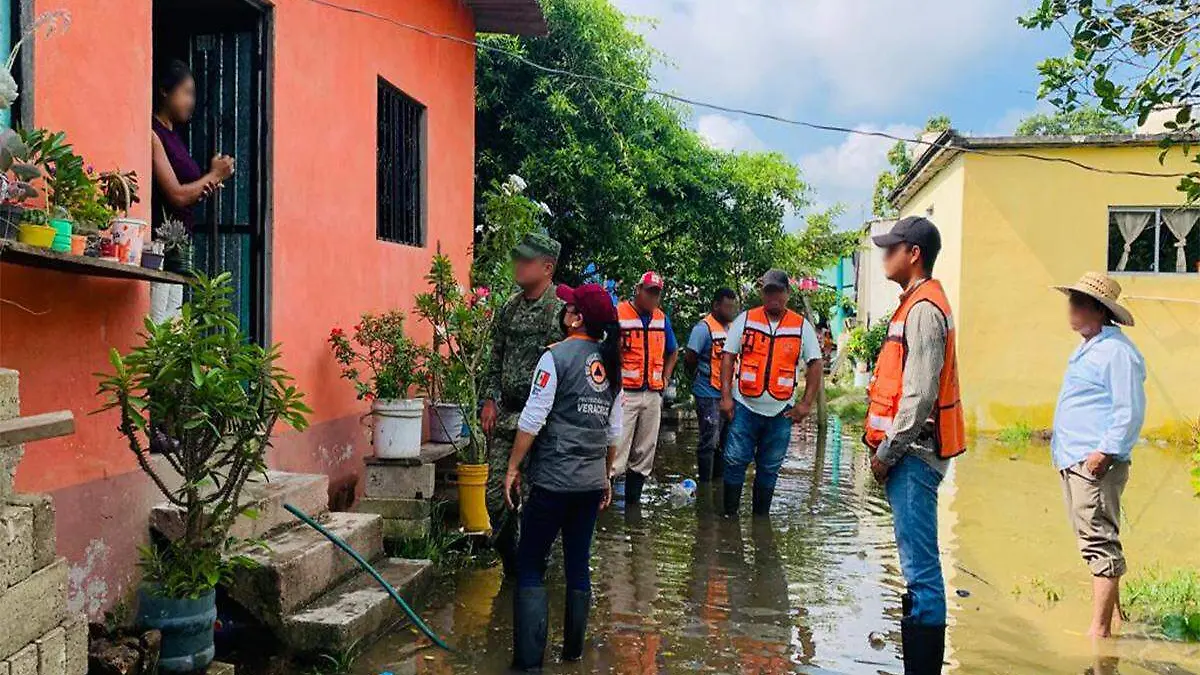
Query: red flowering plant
[[380, 359], [462, 325]]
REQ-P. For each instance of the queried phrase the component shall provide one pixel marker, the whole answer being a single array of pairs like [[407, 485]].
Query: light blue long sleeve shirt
[[1102, 403]]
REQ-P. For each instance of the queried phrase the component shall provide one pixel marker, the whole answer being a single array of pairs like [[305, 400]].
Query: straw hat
[[1105, 290]]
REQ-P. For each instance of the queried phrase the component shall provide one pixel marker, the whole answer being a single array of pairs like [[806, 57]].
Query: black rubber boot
[[762, 500], [634, 482], [704, 468], [529, 628], [505, 543], [718, 465], [923, 647], [575, 620], [733, 499]]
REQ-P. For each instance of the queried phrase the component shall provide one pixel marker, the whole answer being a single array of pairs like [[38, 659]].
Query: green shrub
[[864, 344], [1016, 434], [1170, 601]]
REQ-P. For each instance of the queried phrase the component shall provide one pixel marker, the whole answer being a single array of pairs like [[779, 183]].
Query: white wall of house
[[877, 297]]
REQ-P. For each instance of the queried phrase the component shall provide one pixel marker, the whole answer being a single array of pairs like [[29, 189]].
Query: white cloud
[[726, 133], [845, 173], [862, 55]]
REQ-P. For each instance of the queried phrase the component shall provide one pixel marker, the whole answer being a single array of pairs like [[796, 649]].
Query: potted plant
[[66, 180], [152, 255], [15, 189], [177, 246], [385, 365], [118, 192], [205, 398], [34, 229], [462, 324]]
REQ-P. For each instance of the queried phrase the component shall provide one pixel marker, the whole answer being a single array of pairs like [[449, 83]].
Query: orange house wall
[[327, 267]]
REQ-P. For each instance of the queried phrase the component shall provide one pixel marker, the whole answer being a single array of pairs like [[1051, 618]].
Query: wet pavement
[[816, 587]]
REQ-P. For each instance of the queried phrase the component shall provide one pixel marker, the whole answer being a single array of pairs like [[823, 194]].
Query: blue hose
[[337, 541]]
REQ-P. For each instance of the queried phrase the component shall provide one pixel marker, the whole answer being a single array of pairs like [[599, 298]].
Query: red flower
[[337, 333]]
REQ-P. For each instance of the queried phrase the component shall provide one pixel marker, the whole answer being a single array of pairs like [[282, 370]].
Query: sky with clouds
[[880, 65]]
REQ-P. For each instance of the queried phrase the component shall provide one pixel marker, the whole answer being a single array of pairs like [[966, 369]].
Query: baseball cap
[[651, 279], [592, 302], [915, 231], [776, 279], [536, 245]]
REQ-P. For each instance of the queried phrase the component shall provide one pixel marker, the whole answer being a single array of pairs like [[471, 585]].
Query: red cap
[[651, 279], [592, 302]]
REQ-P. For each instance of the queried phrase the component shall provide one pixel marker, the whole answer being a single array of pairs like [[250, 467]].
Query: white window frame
[[1158, 227]]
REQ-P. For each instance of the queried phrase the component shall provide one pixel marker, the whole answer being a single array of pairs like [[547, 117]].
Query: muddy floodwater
[[816, 587]]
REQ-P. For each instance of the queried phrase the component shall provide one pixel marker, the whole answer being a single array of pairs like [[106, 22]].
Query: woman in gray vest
[[569, 429]]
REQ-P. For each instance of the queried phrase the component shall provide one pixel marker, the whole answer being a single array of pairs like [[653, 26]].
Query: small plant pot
[[62, 235], [78, 244], [472, 498], [130, 234], [10, 220], [445, 422], [186, 626], [152, 260], [108, 249], [41, 236], [396, 427], [179, 260]]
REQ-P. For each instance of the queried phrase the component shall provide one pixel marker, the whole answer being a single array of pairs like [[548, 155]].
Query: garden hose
[[337, 541]]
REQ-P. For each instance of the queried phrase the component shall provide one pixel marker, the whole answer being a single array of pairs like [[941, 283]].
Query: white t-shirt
[[541, 400], [767, 405]]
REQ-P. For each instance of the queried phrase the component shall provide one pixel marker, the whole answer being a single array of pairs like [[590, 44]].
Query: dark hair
[[168, 78], [1085, 300], [609, 336], [929, 256], [723, 294]]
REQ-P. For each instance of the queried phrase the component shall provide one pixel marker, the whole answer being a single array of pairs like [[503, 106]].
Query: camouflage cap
[[537, 245]]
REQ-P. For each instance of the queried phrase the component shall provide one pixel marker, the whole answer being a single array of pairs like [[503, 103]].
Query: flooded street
[[816, 588]]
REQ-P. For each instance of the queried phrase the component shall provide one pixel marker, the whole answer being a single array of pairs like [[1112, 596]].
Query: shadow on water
[[816, 587]]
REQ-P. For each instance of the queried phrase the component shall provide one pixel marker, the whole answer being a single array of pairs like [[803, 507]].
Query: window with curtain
[[1154, 239]]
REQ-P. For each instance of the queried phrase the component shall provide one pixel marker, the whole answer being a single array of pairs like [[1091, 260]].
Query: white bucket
[[861, 378], [445, 422], [396, 429], [132, 232]]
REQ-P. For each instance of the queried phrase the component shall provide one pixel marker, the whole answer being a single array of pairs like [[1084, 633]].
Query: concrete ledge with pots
[[401, 491]]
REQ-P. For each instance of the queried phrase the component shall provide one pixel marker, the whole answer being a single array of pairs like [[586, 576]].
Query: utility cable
[[697, 103]]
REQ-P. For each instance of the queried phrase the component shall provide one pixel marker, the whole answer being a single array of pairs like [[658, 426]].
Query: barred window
[[1162, 240], [400, 170]]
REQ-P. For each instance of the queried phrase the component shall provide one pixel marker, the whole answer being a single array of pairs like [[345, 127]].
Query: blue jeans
[[759, 439], [912, 492], [713, 430], [542, 517]]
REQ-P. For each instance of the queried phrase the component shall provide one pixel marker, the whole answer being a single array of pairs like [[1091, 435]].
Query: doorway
[[226, 44]]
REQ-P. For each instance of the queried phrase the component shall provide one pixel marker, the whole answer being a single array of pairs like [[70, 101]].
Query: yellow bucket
[[41, 236], [472, 497]]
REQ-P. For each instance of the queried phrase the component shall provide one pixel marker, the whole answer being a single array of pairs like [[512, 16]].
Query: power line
[[650, 91]]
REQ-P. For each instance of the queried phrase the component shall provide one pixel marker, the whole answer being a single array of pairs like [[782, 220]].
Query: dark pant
[[759, 439], [546, 512], [710, 452]]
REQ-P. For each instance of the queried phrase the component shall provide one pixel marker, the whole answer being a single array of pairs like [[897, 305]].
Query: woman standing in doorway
[[179, 183], [569, 428]]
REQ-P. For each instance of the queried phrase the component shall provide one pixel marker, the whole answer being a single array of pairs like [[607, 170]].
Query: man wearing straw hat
[[1096, 423]]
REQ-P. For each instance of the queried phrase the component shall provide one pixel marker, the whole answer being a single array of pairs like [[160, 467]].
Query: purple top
[[186, 171]]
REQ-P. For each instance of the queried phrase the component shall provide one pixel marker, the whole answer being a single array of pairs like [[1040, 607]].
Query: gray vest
[[569, 453]]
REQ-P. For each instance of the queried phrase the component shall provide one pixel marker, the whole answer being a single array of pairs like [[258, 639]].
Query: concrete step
[[309, 492], [357, 610], [301, 564]]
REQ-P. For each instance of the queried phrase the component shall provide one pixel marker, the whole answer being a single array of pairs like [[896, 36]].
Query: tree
[[1087, 120], [1129, 59], [628, 185], [938, 123]]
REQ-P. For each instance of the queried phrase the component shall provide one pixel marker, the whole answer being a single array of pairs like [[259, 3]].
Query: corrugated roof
[[516, 17], [951, 144]]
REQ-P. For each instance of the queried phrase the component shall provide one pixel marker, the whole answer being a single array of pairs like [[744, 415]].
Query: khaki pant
[[641, 414], [1094, 509]]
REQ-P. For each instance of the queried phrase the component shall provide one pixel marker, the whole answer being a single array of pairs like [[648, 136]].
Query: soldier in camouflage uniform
[[528, 323]]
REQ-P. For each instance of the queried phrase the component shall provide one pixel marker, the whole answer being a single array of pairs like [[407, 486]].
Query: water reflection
[[678, 589]]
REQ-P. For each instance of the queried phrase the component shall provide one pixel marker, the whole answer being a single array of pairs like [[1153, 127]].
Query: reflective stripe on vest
[[716, 330], [643, 348], [770, 359], [887, 384]]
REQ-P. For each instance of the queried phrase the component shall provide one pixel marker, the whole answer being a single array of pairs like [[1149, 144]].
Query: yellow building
[[1013, 225]]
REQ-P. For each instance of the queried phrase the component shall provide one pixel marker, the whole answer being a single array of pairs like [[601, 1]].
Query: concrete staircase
[[310, 594]]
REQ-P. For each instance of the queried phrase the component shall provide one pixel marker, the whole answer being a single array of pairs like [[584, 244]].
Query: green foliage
[[507, 215], [382, 361], [119, 190], [1040, 591], [1195, 441], [177, 571], [864, 344], [1170, 601], [1087, 120], [937, 123], [1015, 434], [206, 399], [1129, 59], [899, 163], [628, 184], [462, 325], [448, 549]]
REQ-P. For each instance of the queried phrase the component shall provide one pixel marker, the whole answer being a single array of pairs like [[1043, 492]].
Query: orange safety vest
[[888, 382], [717, 330], [643, 348], [769, 360]]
